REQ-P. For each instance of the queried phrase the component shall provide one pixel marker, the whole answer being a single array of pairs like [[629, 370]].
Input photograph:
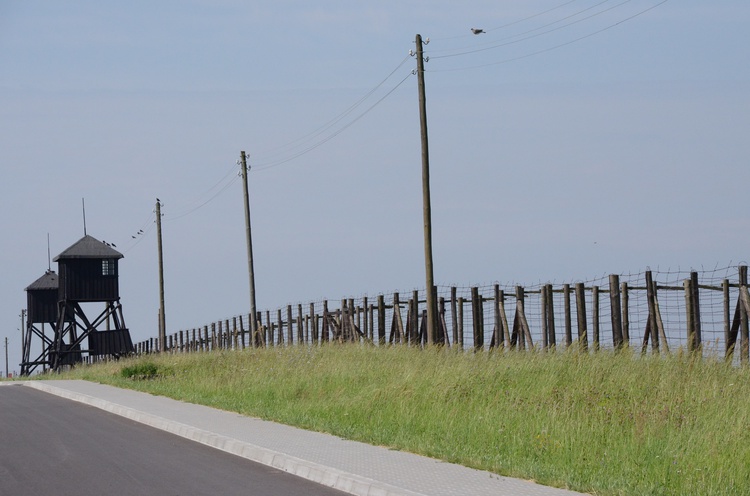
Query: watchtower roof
[[47, 281], [88, 247]]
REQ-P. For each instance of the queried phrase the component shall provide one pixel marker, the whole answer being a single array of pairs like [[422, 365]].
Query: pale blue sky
[[623, 150]]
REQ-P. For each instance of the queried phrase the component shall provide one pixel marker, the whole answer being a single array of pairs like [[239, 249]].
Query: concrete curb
[[328, 476]]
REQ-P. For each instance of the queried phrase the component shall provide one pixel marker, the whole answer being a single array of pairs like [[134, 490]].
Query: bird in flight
[[477, 30]]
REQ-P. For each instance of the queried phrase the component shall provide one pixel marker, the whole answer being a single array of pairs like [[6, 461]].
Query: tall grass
[[604, 423]]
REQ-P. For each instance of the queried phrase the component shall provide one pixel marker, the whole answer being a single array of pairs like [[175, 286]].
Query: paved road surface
[[50, 445]]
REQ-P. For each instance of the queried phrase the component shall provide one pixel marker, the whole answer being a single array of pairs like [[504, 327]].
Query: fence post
[[625, 313], [583, 340], [545, 330], [689, 314], [280, 341], [725, 294], [615, 310], [504, 319], [442, 328], [381, 319], [595, 315], [548, 314], [290, 333], [497, 333], [413, 337], [300, 325], [524, 330], [695, 294], [366, 328], [371, 322], [476, 317], [351, 320], [651, 331], [460, 318], [568, 325], [313, 324], [744, 345], [343, 332], [326, 324], [454, 317], [740, 318], [397, 325]]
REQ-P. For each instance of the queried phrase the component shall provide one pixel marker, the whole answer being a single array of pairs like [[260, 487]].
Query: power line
[[509, 24], [519, 40], [268, 165], [495, 44], [279, 152], [207, 201], [139, 235], [231, 176], [554, 47]]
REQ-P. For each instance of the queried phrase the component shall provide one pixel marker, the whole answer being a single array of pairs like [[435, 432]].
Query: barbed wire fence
[[656, 311]]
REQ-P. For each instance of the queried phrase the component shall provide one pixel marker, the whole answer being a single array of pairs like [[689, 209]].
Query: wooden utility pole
[[162, 318], [426, 208], [6, 357], [250, 268], [24, 337]]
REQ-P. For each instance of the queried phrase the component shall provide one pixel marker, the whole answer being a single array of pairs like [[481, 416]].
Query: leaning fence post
[[414, 337], [525, 331], [398, 323], [504, 318], [497, 334], [651, 328]]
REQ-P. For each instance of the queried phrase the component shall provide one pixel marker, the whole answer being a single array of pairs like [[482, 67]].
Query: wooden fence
[[657, 311]]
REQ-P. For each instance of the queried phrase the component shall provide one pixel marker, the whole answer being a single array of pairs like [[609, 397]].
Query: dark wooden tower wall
[[41, 306], [41, 299], [88, 272], [87, 280]]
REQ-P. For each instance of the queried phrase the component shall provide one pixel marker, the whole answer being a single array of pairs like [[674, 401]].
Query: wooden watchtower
[[41, 305], [88, 274]]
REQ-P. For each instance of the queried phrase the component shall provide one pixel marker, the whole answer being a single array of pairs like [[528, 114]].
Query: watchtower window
[[108, 267]]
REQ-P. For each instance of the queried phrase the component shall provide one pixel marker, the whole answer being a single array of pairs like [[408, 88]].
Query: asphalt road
[[50, 445]]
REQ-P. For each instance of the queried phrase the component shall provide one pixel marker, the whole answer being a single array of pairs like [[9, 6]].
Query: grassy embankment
[[602, 423]]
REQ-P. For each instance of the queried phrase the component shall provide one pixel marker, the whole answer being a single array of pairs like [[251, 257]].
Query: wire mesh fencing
[[657, 311]]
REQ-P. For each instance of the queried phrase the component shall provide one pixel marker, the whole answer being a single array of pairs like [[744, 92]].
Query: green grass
[[601, 423]]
